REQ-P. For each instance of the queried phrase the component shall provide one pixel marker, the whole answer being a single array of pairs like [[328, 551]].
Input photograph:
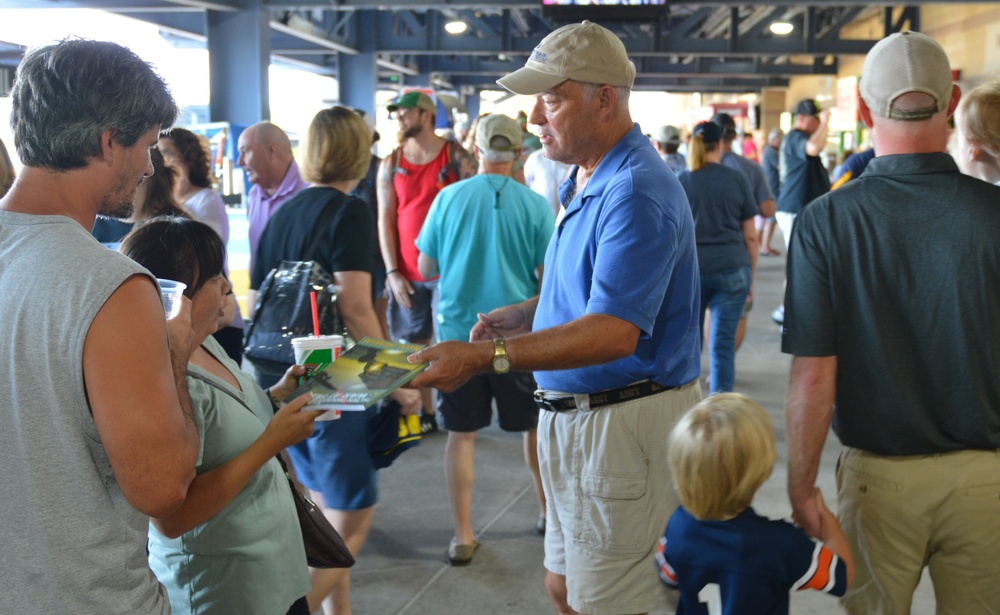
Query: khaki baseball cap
[[583, 52], [901, 63], [412, 100], [668, 134], [498, 125]]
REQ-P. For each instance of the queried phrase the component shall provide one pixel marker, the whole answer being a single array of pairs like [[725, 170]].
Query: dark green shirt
[[897, 274]]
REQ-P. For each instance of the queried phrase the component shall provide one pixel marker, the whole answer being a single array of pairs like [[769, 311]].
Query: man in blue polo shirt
[[613, 337]]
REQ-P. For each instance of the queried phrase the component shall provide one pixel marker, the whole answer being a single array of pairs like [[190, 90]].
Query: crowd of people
[[146, 465]]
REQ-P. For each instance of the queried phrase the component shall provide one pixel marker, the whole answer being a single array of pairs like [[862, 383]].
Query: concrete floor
[[402, 569]]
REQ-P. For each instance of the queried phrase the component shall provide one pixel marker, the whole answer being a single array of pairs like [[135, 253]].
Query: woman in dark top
[[723, 207], [335, 463]]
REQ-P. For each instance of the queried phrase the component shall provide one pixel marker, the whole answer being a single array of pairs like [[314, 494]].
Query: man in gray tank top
[[96, 431]]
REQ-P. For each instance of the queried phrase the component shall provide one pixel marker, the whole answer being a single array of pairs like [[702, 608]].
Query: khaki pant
[[607, 482], [903, 513]]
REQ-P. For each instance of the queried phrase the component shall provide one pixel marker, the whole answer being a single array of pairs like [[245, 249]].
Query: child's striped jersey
[[743, 566]]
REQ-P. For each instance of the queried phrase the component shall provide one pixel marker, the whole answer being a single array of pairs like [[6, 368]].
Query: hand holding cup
[[171, 293]]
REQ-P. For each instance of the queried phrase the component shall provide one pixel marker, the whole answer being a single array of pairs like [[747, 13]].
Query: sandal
[[461, 555]]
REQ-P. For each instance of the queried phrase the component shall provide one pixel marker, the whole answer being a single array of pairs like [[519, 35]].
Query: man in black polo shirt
[[892, 321]]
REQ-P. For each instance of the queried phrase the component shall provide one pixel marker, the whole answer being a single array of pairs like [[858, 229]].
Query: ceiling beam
[[422, 5], [315, 39]]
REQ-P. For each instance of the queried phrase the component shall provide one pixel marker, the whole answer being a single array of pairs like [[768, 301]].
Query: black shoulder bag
[[284, 310]]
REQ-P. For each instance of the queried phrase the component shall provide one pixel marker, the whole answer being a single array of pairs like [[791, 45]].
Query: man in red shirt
[[408, 181]]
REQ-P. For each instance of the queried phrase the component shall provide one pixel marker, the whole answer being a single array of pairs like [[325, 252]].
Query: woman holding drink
[[234, 545], [335, 462]]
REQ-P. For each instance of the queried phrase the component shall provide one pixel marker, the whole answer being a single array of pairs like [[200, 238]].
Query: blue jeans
[[725, 293]]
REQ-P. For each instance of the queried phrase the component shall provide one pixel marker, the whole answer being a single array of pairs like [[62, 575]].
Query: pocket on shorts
[[982, 488], [614, 508], [613, 512]]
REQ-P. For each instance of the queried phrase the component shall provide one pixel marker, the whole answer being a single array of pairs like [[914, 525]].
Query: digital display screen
[[602, 2], [605, 10]]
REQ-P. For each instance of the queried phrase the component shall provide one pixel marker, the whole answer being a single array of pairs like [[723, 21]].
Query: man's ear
[[956, 95], [109, 147], [973, 151], [864, 111], [606, 97]]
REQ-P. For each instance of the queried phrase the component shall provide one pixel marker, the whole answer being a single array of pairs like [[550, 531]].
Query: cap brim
[[528, 81]]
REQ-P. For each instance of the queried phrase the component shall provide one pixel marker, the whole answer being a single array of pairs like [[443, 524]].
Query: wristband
[[392, 271]]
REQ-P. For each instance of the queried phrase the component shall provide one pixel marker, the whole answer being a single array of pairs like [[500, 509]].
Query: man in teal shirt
[[487, 235]]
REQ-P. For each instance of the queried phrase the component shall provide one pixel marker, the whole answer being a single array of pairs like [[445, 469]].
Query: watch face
[[501, 365]]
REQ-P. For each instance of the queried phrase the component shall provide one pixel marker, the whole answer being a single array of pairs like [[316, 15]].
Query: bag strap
[[451, 166], [323, 224], [218, 386], [397, 155]]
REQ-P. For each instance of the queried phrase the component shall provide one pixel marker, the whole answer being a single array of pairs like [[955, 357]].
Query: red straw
[[312, 298]]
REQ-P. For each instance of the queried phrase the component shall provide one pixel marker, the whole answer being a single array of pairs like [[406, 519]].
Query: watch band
[[501, 360]]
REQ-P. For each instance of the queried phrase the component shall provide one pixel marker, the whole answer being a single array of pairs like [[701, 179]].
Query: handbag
[[324, 546], [284, 309]]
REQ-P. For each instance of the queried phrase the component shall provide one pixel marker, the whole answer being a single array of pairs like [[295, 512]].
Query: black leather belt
[[602, 398]]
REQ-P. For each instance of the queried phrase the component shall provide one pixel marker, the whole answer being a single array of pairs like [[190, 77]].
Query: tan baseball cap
[[901, 63], [668, 134], [583, 52], [498, 125]]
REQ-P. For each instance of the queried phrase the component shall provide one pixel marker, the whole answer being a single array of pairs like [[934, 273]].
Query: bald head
[[265, 154]]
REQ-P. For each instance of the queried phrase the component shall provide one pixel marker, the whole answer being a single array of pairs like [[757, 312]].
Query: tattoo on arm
[[467, 164]]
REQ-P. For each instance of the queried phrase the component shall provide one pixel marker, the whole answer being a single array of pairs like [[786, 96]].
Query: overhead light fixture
[[456, 27], [782, 28]]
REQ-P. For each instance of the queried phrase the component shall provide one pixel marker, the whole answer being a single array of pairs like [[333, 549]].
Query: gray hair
[[67, 93], [590, 89]]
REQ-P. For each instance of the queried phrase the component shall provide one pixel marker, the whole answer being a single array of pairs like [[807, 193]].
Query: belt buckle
[[544, 403]]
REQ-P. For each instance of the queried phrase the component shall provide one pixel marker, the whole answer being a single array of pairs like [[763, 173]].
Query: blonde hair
[[978, 116], [721, 451], [697, 148], [337, 147]]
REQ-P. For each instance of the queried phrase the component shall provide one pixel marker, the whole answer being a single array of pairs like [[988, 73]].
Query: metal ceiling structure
[[689, 47]]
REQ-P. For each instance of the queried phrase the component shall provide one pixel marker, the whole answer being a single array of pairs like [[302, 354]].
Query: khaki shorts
[[903, 513], [607, 481]]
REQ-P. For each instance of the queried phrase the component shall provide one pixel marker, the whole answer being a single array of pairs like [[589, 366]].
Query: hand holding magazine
[[361, 377]]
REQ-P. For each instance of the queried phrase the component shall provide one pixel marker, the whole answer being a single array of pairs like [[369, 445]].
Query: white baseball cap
[[583, 52], [901, 63]]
